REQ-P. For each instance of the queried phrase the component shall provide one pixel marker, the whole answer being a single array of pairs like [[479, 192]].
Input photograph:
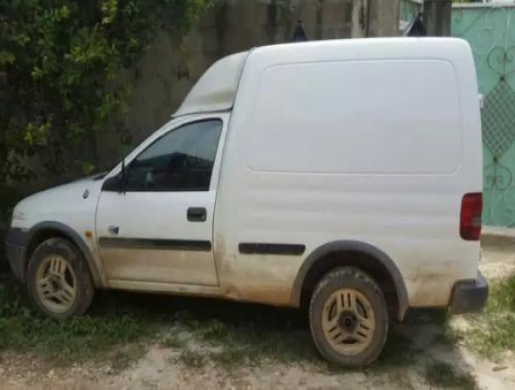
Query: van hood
[[59, 204]]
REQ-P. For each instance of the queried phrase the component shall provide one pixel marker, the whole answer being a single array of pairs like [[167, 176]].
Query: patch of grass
[[173, 341], [397, 351], [231, 357], [230, 340], [209, 330], [226, 333], [229, 333], [193, 358], [492, 332], [399, 377], [124, 357], [502, 295], [66, 341], [237, 341], [447, 336], [491, 335], [444, 375], [249, 343]]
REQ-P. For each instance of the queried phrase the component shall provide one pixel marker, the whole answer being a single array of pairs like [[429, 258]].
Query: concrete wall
[[169, 69]]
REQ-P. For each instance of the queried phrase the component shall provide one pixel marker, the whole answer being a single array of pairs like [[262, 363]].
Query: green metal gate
[[490, 31]]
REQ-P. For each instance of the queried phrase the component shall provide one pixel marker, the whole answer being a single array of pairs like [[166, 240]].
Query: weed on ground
[[243, 337], [445, 375], [23, 330], [491, 333], [120, 327]]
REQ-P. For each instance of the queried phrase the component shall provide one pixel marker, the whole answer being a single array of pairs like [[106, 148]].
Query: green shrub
[[60, 62]]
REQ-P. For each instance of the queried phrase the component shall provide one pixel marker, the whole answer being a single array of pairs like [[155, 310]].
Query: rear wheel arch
[[43, 231], [357, 254]]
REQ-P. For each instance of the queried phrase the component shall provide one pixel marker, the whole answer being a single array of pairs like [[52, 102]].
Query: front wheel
[[58, 280], [348, 317]]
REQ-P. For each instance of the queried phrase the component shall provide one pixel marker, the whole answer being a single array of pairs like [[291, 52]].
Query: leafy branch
[[59, 67]]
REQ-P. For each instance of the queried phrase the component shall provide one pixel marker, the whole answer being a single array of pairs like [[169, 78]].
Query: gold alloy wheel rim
[[348, 321], [56, 284]]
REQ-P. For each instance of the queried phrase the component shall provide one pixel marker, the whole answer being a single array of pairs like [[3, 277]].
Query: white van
[[343, 175]]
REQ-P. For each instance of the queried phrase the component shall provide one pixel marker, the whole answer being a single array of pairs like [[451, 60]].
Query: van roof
[[216, 89]]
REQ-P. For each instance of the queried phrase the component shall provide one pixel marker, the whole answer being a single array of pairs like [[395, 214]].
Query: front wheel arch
[[49, 229], [59, 282]]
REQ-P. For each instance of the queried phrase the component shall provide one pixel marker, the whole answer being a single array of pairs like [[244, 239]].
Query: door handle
[[113, 229], [197, 214]]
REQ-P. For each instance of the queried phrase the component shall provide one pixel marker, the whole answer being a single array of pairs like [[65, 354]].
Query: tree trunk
[[437, 17]]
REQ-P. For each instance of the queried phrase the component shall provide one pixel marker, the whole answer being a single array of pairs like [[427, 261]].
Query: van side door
[[159, 228]]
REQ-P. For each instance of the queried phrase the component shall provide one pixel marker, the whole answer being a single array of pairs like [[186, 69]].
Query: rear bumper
[[469, 296], [15, 248]]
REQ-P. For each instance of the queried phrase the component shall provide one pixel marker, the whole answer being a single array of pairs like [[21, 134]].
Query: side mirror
[[113, 184], [117, 183]]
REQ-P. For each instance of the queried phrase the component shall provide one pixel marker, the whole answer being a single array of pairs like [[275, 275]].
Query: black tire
[[84, 285], [352, 278]]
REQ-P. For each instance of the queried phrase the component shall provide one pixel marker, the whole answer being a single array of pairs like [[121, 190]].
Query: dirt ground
[[160, 367]]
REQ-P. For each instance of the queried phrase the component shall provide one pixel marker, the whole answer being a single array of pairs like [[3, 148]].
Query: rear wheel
[[58, 280], [348, 317]]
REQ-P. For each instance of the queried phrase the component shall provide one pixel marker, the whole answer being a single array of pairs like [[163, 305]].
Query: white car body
[[333, 151]]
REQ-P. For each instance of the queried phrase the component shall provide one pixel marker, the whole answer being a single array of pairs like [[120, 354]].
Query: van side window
[[181, 160]]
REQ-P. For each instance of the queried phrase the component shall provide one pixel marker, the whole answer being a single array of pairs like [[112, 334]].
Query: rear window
[[378, 117]]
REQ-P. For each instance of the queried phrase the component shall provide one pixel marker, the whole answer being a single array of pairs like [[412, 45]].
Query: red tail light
[[470, 216]]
